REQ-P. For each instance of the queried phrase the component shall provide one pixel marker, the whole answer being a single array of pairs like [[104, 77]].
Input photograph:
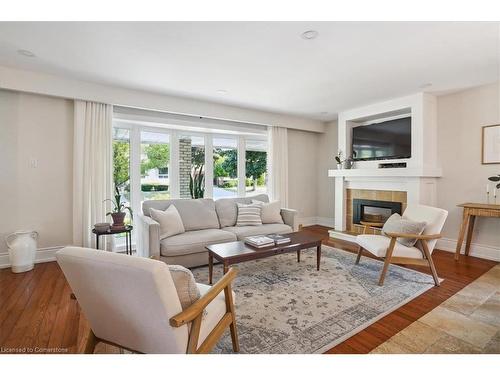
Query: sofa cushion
[[270, 212], [227, 211], [195, 213], [248, 214], [194, 241], [242, 232], [170, 221]]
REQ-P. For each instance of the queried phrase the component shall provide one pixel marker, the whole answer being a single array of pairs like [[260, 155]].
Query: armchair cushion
[[270, 212], [185, 285], [378, 245], [170, 221], [398, 224]]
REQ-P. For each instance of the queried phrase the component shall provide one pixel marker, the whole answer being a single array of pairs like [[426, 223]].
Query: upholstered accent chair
[[386, 245], [132, 302]]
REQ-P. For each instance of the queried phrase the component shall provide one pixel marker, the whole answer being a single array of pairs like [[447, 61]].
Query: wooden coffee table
[[230, 253]]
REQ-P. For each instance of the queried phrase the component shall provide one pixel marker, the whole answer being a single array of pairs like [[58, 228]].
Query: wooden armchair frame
[[427, 257], [194, 314]]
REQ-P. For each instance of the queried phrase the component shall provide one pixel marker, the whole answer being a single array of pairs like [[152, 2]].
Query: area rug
[[287, 307]]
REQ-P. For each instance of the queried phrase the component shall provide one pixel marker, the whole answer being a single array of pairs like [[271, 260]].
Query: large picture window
[[165, 161]]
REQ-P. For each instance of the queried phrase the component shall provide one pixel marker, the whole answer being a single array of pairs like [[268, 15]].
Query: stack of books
[[259, 241], [265, 241], [279, 239]]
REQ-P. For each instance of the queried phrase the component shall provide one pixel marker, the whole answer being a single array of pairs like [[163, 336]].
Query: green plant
[[197, 177], [338, 158], [495, 179], [118, 205], [154, 187]]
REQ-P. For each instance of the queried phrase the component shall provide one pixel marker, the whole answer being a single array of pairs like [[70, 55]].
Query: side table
[[471, 210], [127, 229]]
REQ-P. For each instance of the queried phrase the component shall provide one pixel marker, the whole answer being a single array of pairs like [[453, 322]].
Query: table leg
[[226, 267], [461, 234], [470, 230], [130, 242], [298, 256], [126, 243], [318, 256], [210, 268], [97, 241]]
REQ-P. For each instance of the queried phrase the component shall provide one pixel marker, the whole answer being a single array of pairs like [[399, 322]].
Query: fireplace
[[374, 211]]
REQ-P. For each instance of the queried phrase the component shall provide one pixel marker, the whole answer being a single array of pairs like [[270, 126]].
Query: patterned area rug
[[287, 307]]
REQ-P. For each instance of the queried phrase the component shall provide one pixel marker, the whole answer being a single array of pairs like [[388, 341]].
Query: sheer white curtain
[[92, 168], [278, 164]]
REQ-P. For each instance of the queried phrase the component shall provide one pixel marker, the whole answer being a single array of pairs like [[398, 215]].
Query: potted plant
[[339, 159], [119, 208]]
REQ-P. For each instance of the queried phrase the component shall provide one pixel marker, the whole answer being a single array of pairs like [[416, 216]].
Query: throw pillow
[[270, 212], [170, 221], [398, 224], [185, 284], [248, 214]]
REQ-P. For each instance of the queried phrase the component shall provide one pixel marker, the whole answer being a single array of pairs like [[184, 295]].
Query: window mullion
[[209, 166], [174, 165], [241, 166]]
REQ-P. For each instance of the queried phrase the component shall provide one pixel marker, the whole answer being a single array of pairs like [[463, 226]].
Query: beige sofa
[[206, 222]]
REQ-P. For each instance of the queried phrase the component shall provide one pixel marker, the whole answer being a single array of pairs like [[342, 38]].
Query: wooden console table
[[471, 210]]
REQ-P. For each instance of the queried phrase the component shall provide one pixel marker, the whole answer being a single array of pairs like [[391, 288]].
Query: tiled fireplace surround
[[379, 195]]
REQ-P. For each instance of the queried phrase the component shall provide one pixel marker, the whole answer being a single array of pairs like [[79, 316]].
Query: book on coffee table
[[259, 241], [279, 239]]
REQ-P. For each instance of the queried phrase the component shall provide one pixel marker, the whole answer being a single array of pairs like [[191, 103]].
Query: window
[[121, 173], [225, 152], [155, 159], [255, 167], [161, 161]]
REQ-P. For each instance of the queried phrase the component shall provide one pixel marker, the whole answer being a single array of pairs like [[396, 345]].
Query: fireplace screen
[[373, 211]]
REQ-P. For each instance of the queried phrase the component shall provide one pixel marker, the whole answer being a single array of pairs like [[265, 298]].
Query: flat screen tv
[[389, 139]]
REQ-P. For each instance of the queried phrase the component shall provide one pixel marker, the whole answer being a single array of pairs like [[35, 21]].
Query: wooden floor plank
[[37, 308]]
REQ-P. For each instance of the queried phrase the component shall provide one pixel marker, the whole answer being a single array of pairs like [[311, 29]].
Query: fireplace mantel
[[395, 172]]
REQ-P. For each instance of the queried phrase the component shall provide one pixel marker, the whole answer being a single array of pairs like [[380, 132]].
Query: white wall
[[327, 149], [38, 127], [460, 118], [302, 172]]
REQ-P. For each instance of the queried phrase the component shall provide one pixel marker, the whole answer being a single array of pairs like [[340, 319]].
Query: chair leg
[[388, 256], [230, 308], [431, 262], [360, 252], [91, 343]]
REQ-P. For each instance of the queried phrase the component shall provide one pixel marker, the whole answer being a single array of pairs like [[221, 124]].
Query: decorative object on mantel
[[471, 210], [496, 186], [490, 148], [347, 163], [339, 160], [118, 213]]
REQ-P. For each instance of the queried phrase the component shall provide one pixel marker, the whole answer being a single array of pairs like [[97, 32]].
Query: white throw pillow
[[185, 284], [248, 214], [270, 212], [397, 224], [170, 221]]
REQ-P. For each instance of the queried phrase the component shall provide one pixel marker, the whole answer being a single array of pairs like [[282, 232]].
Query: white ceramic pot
[[22, 250]]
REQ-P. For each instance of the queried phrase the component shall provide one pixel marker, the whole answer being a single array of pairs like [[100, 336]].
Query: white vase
[[22, 250], [339, 166]]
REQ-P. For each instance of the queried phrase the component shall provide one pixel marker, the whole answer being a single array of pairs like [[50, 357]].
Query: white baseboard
[[476, 250], [316, 220], [45, 254]]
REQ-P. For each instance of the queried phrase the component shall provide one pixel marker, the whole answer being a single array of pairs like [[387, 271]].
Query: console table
[[471, 210]]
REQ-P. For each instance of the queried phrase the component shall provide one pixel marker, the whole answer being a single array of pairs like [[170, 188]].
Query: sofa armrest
[[290, 218], [148, 242]]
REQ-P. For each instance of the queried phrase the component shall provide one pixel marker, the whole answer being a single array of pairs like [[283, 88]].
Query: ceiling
[[263, 65]]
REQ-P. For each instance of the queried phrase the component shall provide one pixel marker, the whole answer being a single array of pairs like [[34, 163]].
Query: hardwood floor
[[37, 314]]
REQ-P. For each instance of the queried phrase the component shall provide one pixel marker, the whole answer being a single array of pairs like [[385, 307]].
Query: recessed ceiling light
[[309, 34], [25, 52], [222, 92], [425, 85]]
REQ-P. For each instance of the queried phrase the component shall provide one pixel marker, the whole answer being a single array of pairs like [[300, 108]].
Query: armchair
[[386, 246], [132, 302]]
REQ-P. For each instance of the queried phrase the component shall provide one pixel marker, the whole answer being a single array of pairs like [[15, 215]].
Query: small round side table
[[127, 229]]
